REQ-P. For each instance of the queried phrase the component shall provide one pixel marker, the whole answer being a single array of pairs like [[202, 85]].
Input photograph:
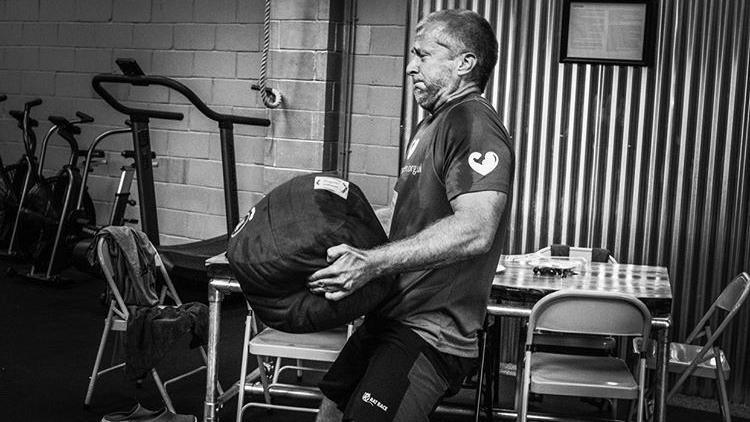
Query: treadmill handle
[[146, 80], [96, 83]]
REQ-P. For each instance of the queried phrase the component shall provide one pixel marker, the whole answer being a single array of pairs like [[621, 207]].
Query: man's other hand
[[349, 270]]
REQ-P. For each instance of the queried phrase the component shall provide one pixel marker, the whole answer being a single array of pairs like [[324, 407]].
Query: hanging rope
[[271, 97]]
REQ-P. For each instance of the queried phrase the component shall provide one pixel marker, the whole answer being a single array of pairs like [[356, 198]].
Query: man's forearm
[[447, 241], [469, 231]]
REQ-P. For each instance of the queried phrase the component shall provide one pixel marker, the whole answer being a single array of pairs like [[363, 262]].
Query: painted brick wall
[[376, 109], [52, 48]]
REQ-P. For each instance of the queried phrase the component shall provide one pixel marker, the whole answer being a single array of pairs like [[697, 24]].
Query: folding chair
[[602, 344], [117, 320], [269, 343], [585, 312], [708, 360]]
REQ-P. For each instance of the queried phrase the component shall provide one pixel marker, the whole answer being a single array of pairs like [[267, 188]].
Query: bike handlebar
[[72, 127], [63, 124], [84, 118], [33, 103], [145, 80]]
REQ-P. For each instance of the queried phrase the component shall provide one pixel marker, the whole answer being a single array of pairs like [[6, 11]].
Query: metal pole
[[662, 360], [61, 223], [229, 170], [214, 312], [26, 182], [146, 195]]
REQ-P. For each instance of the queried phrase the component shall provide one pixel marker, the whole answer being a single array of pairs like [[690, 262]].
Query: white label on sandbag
[[244, 221], [333, 185]]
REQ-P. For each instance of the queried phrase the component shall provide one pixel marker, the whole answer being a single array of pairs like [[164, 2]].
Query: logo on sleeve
[[483, 165]]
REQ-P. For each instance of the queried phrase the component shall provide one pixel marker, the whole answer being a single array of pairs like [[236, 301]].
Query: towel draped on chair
[[152, 330]]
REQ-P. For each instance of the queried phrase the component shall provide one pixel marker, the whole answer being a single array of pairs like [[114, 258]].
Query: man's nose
[[412, 68]]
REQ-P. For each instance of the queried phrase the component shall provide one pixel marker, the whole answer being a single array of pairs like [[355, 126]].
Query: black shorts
[[386, 372]]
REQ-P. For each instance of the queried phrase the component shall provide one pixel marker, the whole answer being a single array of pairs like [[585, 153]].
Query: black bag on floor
[[284, 239]]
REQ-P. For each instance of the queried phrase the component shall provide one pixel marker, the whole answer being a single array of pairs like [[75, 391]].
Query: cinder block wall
[[52, 48], [376, 110]]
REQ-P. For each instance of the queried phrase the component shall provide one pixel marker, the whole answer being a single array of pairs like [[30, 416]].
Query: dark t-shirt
[[462, 147]]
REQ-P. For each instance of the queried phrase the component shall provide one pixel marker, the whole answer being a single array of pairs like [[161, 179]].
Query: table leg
[[520, 358], [662, 360], [214, 312]]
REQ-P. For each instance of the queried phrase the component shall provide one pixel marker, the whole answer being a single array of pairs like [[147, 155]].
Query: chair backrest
[[730, 300], [589, 312], [587, 254], [107, 265], [735, 294]]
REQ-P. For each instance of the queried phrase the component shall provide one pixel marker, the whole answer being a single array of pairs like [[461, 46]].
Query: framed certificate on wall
[[608, 32]]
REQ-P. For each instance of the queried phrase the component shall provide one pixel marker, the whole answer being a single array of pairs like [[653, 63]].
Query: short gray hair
[[466, 30]]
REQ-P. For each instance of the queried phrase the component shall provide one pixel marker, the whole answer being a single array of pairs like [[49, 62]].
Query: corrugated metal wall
[[651, 163]]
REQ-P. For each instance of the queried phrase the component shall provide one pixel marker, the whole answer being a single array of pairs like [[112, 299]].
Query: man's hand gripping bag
[[284, 239]]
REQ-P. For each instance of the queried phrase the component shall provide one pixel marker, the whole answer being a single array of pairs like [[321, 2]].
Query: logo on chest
[[412, 147], [483, 164]]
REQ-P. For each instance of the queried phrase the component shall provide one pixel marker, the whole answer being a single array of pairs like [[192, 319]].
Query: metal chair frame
[[730, 300], [117, 318], [633, 319], [270, 343]]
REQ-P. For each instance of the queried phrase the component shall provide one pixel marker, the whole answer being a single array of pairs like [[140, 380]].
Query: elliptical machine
[[17, 178], [187, 260]]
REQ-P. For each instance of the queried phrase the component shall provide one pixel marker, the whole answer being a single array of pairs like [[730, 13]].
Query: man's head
[[452, 48]]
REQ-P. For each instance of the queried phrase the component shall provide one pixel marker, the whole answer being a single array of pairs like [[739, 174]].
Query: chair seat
[[322, 346], [586, 376], [680, 356]]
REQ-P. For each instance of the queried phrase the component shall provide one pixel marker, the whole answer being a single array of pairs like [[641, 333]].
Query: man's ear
[[467, 63]]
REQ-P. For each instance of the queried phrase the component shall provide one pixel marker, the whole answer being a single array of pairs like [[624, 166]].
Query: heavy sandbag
[[284, 239]]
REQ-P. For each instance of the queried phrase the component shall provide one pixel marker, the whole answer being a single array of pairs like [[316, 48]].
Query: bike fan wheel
[[11, 184], [40, 217]]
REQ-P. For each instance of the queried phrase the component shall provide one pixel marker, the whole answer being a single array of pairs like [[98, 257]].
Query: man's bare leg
[[328, 412]]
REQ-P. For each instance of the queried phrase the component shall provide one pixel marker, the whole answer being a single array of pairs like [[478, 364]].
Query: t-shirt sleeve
[[478, 155]]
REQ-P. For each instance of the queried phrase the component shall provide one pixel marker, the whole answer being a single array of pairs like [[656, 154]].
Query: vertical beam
[[146, 195]]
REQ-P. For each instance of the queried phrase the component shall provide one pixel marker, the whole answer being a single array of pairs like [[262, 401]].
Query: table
[[519, 284]]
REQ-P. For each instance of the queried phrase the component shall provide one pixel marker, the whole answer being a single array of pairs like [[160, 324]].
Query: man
[[446, 233]]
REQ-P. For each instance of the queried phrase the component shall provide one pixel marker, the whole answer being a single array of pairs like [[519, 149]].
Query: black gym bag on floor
[[284, 239]]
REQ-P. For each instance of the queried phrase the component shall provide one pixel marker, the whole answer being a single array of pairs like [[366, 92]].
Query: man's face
[[432, 68]]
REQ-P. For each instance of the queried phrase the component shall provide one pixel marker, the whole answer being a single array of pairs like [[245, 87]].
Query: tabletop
[[516, 280]]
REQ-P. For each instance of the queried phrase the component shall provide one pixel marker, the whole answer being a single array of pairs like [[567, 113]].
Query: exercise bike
[[44, 210], [15, 179], [86, 228], [72, 246], [187, 260]]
